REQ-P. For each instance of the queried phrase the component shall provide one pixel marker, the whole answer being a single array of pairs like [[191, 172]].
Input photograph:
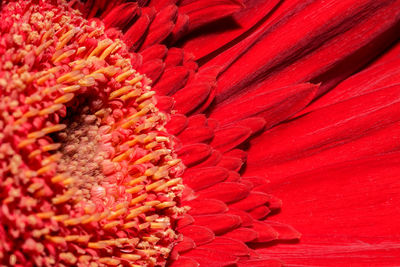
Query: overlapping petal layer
[[339, 172], [254, 75]]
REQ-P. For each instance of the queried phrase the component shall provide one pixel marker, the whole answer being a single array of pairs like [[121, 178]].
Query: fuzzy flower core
[[88, 174]]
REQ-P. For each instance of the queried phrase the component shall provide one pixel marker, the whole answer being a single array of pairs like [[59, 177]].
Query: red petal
[[247, 220], [201, 178], [265, 232], [206, 206], [226, 192], [199, 120], [233, 177], [158, 34], [161, 26], [286, 232], [260, 212], [153, 69], [243, 234], [256, 181], [231, 163], [253, 200], [256, 124], [194, 153], [185, 221], [229, 246], [264, 262], [121, 15], [184, 245], [159, 4], [173, 79], [385, 74], [228, 138], [181, 27], [203, 44], [165, 15], [191, 97], [176, 124], [339, 132], [274, 106], [212, 160], [349, 213], [338, 36], [203, 12], [136, 32], [199, 234], [165, 103], [196, 135], [237, 153], [218, 223], [156, 51], [174, 57], [211, 258], [185, 262]]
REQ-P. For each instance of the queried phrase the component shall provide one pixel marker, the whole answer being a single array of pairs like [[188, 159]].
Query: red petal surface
[[206, 206], [340, 132], [185, 262], [226, 192], [229, 246], [153, 69], [218, 34], [191, 97], [230, 137], [194, 153], [264, 262], [243, 234], [199, 234], [185, 245], [136, 32], [253, 200], [256, 124], [231, 163], [173, 79], [201, 178], [177, 123], [259, 213], [204, 11], [212, 160], [265, 232], [218, 223], [352, 205], [210, 257], [174, 57], [121, 15], [385, 74], [274, 106], [247, 220], [338, 35], [156, 51], [196, 135]]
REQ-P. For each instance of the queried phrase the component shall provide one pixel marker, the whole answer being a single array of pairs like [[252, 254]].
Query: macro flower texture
[[189, 133]]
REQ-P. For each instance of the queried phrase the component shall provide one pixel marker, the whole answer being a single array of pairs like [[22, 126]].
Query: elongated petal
[[384, 74], [359, 198], [337, 36], [317, 132], [220, 34], [274, 106], [204, 11]]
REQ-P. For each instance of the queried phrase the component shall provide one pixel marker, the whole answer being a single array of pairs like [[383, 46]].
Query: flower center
[[90, 174]]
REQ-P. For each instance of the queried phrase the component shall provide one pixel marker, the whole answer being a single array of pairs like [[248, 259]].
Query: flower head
[[152, 133]]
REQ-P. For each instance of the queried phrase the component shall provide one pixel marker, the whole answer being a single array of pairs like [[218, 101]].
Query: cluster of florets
[[88, 175]]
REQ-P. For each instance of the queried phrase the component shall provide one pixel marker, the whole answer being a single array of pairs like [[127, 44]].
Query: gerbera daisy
[[153, 133]]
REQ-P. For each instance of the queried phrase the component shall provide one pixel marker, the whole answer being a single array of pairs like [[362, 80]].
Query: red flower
[[260, 98]]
